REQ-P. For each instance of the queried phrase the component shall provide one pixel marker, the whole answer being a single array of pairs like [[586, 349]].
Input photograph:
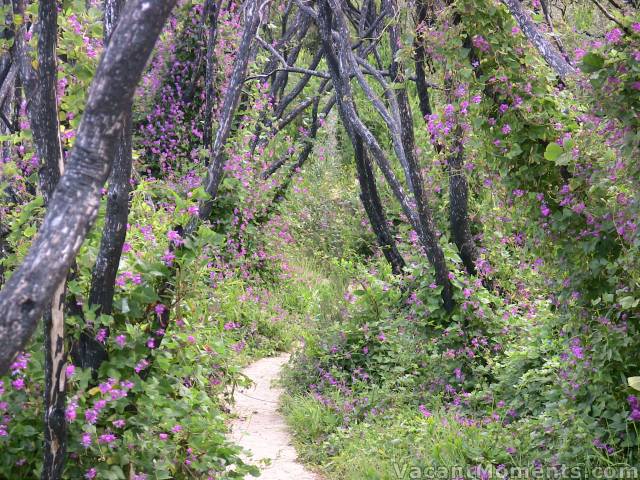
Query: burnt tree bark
[[548, 51], [92, 353], [253, 17], [74, 204], [212, 13], [42, 109], [50, 152], [459, 204], [341, 62], [375, 211], [420, 59], [429, 238]]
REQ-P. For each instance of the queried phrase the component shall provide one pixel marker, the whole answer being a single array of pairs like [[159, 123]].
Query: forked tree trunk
[[74, 204]]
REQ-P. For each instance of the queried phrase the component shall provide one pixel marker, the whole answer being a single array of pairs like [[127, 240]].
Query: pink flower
[[119, 423], [613, 36], [101, 335], [163, 436], [481, 43], [515, 30], [18, 384], [91, 473], [579, 53], [424, 411], [86, 440], [107, 438], [544, 210], [175, 237], [381, 337], [635, 27], [70, 370], [121, 340], [126, 247], [506, 129], [70, 412]]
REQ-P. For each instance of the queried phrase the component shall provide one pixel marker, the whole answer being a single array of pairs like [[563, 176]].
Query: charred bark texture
[[216, 154], [548, 51], [420, 59], [42, 109], [375, 211], [74, 204], [93, 353], [212, 13], [459, 205]]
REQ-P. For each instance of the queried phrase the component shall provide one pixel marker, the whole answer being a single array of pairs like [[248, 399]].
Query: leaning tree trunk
[[234, 90], [430, 240], [459, 204], [547, 50], [212, 13], [42, 109], [92, 353], [74, 205], [340, 64], [373, 207]]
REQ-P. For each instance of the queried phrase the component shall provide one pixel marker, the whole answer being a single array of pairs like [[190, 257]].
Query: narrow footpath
[[261, 429]]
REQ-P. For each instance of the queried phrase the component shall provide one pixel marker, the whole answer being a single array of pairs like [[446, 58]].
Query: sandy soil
[[261, 429]]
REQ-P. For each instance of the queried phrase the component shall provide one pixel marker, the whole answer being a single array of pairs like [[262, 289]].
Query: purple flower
[[107, 438], [86, 440], [91, 416], [424, 411], [544, 210], [101, 335], [91, 473], [614, 36], [506, 129], [163, 436], [18, 383], [160, 309]]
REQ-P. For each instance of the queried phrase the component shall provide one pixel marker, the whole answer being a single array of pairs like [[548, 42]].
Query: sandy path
[[261, 429]]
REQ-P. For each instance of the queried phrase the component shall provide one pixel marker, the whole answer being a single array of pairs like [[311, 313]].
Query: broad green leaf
[[553, 151]]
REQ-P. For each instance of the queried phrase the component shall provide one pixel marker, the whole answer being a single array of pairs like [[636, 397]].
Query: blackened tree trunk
[[547, 50], [74, 204], [92, 353], [429, 238], [217, 154], [42, 109], [340, 61], [375, 212], [420, 58], [459, 204], [212, 13]]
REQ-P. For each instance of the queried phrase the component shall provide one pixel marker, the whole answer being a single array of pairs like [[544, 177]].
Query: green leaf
[[592, 62], [553, 151], [629, 302]]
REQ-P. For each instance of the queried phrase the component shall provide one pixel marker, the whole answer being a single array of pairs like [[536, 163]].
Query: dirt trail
[[261, 429]]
